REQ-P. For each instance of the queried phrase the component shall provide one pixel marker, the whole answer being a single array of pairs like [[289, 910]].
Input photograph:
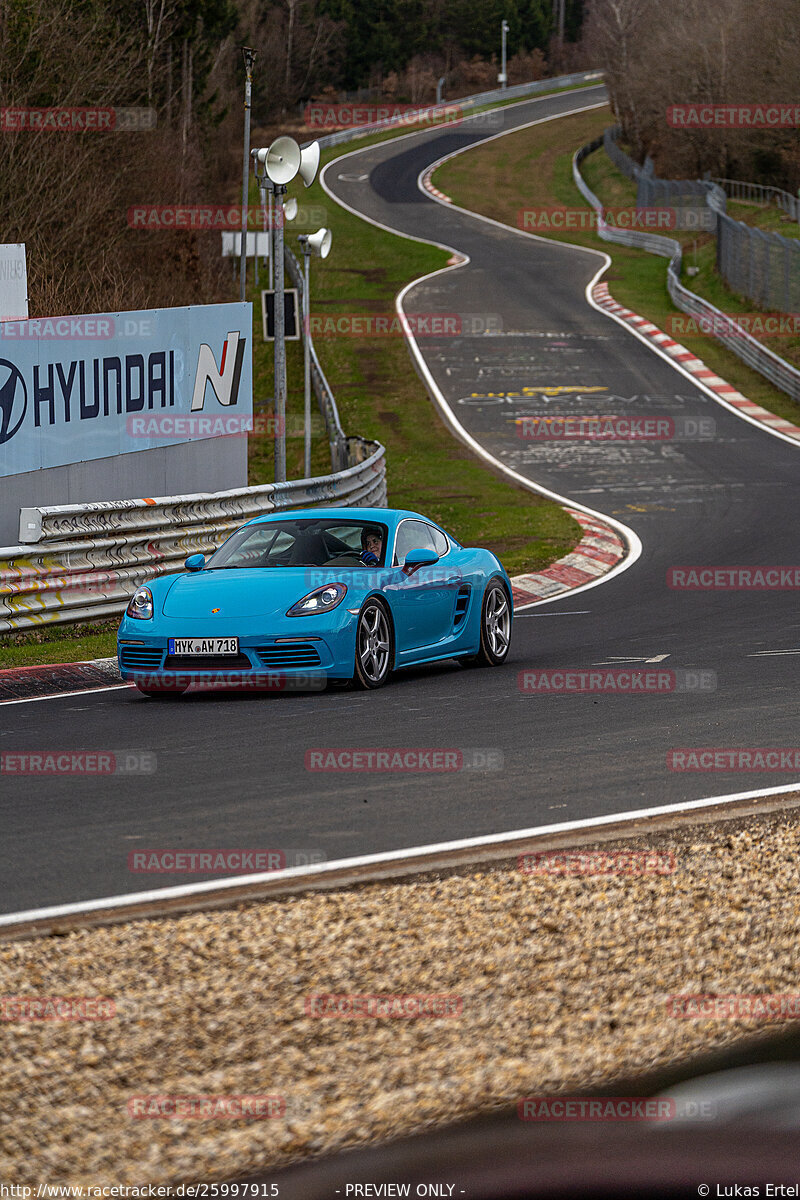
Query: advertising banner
[[86, 387]]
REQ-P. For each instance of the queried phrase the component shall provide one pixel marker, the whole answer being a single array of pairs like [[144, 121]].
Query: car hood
[[240, 592]]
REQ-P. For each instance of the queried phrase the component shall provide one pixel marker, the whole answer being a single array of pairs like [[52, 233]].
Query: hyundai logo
[[13, 400]]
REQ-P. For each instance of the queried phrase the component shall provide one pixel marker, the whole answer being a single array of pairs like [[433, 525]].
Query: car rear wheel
[[495, 628], [373, 664]]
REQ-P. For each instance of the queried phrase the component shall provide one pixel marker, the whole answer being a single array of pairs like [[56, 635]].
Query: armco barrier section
[[774, 368], [760, 193], [761, 265], [84, 561], [518, 92]]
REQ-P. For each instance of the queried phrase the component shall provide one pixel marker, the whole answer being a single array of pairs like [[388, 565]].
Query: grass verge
[[59, 644]]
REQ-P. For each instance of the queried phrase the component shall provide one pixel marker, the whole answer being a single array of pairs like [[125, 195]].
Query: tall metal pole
[[280, 345], [503, 31], [262, 193], [249, 58], [307, 361], [271, 193]]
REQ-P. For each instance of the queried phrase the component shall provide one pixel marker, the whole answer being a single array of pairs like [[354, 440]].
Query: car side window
[[439, 541], [412, 535]]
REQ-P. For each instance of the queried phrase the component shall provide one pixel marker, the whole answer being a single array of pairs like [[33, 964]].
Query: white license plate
[[204, 646]]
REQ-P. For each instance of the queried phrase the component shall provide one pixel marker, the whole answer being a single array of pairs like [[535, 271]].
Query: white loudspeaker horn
[[282, 160], [290, 209], [320, 242], [309, 162]]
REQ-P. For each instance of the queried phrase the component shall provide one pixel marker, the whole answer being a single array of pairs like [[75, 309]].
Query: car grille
[[207, 662], [289, 654], [144, 658]]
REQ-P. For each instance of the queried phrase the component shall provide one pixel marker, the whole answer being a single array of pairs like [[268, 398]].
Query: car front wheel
[[495, 628], [373, 664]]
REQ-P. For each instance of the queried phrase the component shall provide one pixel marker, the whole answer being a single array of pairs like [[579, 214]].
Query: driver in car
[[371, 546]]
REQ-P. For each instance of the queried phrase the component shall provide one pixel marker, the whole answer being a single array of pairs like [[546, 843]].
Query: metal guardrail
[[774, 368], [518, 91], [761, 265], [86, 560], [760, 193]]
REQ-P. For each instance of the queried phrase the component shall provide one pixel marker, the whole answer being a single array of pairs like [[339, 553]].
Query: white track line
[[319, 870], [106, 687]]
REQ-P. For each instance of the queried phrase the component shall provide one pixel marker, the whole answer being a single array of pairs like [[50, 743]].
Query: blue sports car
[[331, 594]]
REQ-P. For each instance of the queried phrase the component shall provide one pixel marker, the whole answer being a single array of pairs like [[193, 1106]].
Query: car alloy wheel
[[373, 646], [495, 628]]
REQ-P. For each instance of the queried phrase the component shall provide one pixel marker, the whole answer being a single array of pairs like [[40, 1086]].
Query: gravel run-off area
[[563, 984]]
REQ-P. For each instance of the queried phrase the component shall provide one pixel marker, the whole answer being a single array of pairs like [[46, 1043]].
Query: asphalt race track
[[229, 770]]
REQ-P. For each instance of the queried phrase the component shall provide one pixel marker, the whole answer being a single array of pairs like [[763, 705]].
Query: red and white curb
[[52, 679], [600, 549], [434, 191], [695, 365]]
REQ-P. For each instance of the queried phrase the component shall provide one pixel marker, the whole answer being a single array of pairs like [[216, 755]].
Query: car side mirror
[[419, 558], [195, 562]]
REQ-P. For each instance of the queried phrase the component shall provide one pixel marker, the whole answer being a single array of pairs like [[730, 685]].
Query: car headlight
[[141, 604], [321, 600]]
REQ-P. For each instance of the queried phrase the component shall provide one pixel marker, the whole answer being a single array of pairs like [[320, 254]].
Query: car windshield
[[317, 542]]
